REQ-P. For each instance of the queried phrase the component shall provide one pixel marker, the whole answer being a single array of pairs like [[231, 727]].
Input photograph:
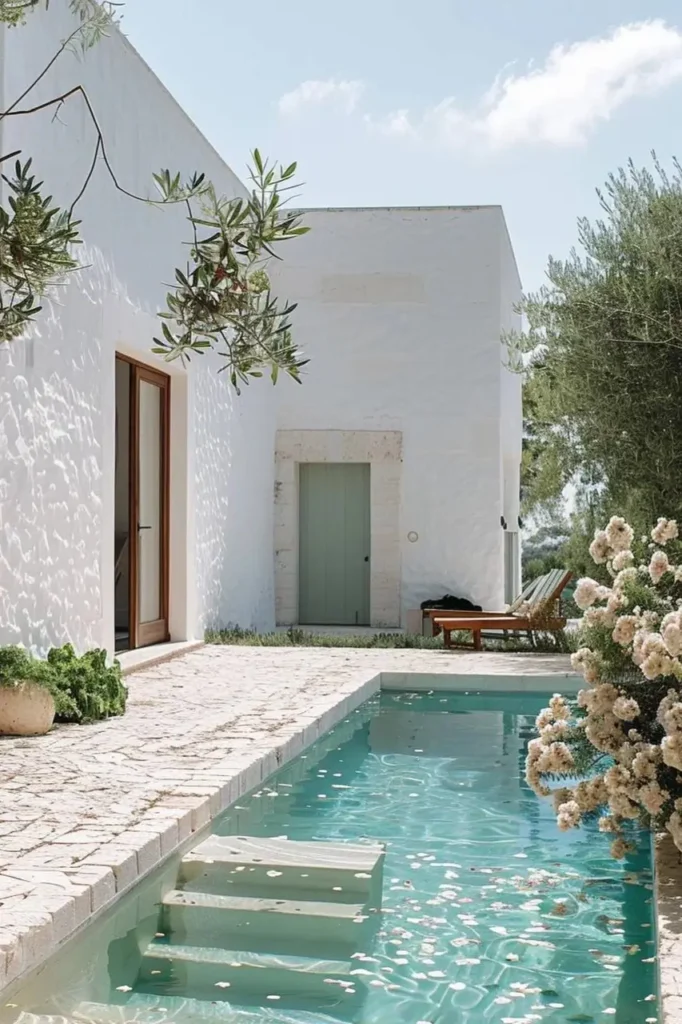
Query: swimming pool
[[488, 912]]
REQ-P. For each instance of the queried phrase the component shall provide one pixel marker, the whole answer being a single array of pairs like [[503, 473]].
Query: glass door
[[150, 409]]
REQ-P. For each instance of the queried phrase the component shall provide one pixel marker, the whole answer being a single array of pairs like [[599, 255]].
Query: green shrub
[[18, 665], [85, 688]]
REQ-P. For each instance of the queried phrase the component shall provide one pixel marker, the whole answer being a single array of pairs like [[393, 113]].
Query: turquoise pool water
[[489, 913]]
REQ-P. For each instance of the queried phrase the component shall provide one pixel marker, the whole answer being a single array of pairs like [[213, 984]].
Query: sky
[[528, 104]]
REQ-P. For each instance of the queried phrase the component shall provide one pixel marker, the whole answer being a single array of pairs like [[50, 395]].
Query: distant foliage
[[604, 339]]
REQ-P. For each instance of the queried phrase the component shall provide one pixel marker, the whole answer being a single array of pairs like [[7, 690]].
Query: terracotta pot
[[26, 709]]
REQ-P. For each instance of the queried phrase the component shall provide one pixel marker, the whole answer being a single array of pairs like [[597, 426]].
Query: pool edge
[[28, 938]]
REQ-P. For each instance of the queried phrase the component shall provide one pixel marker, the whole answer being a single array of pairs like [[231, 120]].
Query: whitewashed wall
[[57, 387], [401, 312]]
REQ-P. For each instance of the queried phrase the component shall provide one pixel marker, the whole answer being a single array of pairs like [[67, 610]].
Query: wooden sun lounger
[[442, 613], [547, 594], [510, 623]]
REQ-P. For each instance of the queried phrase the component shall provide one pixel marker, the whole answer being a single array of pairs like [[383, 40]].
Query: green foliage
[[35, 249], [295, 637], [225, 297], [13, 12], [85, 688], [17, 665], [95, 17], [602, 391]]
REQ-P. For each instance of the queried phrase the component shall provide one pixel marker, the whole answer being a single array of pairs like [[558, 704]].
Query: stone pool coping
[[668, 896], [87, 812]]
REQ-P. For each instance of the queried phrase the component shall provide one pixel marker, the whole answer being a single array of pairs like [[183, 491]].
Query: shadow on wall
[[234, 484], [51, 424]]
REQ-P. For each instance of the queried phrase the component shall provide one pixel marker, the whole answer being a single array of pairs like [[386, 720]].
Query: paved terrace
[[88, 810]]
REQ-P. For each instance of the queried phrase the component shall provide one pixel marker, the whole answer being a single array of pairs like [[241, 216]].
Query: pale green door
[[334, 544]]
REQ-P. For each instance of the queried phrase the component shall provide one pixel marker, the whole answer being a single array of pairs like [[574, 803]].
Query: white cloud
[[560, 103], [342, 94]]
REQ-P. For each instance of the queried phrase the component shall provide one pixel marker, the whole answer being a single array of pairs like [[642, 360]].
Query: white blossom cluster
[[611, 719]]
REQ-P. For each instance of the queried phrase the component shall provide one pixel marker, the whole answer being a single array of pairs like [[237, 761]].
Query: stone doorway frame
[[382, 449]]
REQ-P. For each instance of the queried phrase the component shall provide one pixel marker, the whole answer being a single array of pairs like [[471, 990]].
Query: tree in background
[[604, 375], [221, 299]]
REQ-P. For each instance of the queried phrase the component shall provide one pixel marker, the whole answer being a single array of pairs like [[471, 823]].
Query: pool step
[[224, 974], [148, 1009], [287, 865], [201, 918]]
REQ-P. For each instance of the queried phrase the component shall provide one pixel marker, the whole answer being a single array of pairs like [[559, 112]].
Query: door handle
[[367, 558], [143, 527]]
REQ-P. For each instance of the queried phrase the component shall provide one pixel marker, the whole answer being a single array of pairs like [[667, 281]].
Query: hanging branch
[[223, 298]]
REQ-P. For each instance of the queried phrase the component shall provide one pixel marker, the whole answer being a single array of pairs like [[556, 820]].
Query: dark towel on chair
[[450, 603]]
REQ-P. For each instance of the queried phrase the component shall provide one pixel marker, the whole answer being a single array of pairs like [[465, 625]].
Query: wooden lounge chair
[[542, 613], [449, 613]]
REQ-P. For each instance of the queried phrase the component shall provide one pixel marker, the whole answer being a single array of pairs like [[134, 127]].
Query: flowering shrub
[[616, 751]]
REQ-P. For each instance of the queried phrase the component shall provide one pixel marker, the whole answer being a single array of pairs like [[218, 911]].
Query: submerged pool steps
[[205, 972], [284, 864], [195, 917], [149, 1009], [317, 905]]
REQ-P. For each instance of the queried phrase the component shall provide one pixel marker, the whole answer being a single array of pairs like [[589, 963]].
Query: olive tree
[[603, 345]]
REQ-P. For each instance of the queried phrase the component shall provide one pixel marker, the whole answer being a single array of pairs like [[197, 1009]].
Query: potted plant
[[27, 706]]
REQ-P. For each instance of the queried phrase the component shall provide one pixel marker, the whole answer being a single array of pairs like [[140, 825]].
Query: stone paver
[[669, 915], [86, 811]]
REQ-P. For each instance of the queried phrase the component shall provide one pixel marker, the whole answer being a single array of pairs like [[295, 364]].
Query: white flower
[[559, 707], [568, 816], [664, 530], [585, 593], [658, 566], [619, 848], [652, 798], [625, 629], [619, 534], [626, 709], [672, 638], [588, 662], [599, 617], [600, 549], [671, 748], [623, 560]]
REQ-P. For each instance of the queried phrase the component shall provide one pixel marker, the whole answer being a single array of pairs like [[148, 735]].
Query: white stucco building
[[401, 312], [143, 501]]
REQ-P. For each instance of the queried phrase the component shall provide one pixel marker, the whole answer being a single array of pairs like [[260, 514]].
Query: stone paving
[[88, 810]]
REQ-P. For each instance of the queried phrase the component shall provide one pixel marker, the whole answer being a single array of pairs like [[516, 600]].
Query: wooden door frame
[[146, 634]]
